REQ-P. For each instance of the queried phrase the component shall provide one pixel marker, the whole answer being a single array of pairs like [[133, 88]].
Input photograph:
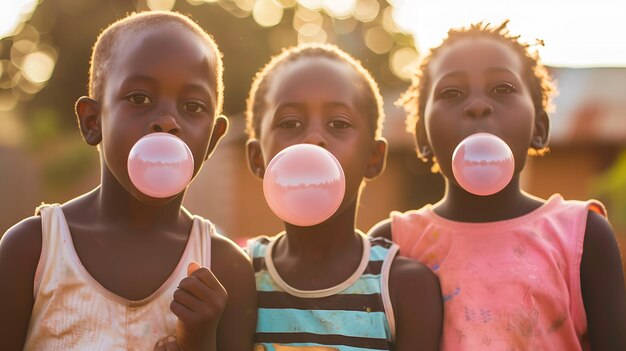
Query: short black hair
[[106, 44], [535, 74], [256, 97]]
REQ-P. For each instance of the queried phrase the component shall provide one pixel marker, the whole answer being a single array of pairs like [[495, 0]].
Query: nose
[[165, 123], [315, 138], [478, 108]]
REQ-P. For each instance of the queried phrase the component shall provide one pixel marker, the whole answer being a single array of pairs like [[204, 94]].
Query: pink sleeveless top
[[506, 285], [72, 311]]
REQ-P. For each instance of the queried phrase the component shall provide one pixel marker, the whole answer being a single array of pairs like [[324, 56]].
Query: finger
[[171, 344], [197, 288], [160, 346], [192, 267], [208, 278], [190, 301], [180, 311]]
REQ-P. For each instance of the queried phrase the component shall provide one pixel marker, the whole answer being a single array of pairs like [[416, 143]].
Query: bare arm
[[381, 229], [238, 321], [602, 284], [417, 306], [20, 249]]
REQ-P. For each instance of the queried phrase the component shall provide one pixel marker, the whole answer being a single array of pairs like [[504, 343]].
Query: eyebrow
[[500, 70], [204, 89], [299, 105], [138, 77], [452, 75]]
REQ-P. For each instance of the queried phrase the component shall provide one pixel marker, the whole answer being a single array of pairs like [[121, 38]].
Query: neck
[[460, 205], [116, 205], [335, 235]]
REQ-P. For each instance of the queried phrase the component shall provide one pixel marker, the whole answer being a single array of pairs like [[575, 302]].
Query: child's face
[[160, 80], [477, 86], [319, 101]]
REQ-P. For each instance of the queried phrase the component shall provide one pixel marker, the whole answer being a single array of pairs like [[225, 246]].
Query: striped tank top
[[355, 315]]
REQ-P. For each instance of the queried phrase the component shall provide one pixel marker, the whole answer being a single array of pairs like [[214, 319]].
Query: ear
[[541, 131], [378, 159], [220, 127], [88, 115], [256, 163], [421, 141]]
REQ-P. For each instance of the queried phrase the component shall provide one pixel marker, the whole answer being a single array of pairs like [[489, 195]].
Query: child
[[517, 272], [102, 271], [328, 286]]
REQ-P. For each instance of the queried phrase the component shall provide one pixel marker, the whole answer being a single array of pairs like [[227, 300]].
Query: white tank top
[[72, 311]]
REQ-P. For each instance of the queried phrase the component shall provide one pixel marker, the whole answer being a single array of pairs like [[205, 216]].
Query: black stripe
[[286, 338], [259, 264], [373, 267], [386, 243], [337, 302]]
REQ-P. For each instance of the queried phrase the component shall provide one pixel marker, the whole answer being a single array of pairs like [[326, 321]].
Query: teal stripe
[[378, 253], [269, 347], [258, 250], [367, 284], [347, 323]]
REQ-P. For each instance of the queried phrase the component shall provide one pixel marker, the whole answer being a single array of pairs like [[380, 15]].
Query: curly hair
[[535, 75], [256, 102], [107, 42]]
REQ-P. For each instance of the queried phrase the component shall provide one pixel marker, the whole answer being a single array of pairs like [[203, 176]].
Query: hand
[[198, 303], [167, 344]]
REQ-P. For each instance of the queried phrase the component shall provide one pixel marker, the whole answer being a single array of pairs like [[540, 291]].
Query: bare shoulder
[[408, 275], [228, 255], [20, 248], [600, 245], [233, 269], [381, 229], [417, 305], [231, 265], [23, 242], [602, 286]]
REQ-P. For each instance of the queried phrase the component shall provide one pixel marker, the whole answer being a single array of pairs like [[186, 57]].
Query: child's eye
[[139, 99], [504, 89], [339, 124], [289, 124], [450, 93], [194, 107]]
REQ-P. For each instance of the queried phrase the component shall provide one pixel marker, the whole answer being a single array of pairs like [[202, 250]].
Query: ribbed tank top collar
[[271, 268], [539, 212], [76, 262]]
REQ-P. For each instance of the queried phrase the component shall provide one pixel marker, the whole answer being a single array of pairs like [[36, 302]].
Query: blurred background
[[45, 49]]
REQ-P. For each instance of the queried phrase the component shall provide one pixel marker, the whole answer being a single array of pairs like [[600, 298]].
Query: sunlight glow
[[164, 5], [13, 13], [37, 67], [267, 13], [576, 33]]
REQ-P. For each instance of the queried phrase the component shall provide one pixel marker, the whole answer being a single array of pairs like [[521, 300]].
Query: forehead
[[147, 47], [331, 79], [475, 55]]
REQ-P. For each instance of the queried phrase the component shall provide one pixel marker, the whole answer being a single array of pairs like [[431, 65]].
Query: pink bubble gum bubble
[[483, 164], [304, 185], [160, 165]]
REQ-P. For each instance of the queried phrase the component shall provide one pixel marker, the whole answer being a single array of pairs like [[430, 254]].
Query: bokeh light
[[367, 10], [311, 4], [13, 13], [311, 33], [377, 39], [339, 9], [400, 61], [163, 5], [267, 13], [37, 67]]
